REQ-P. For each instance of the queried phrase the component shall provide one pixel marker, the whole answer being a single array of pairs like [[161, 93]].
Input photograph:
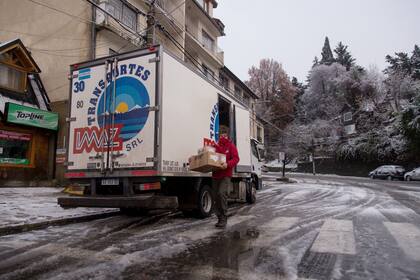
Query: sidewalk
[[23, 207]]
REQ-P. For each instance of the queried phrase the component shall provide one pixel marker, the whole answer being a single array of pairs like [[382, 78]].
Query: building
[[88, 29], [28, 127], [230, 82]]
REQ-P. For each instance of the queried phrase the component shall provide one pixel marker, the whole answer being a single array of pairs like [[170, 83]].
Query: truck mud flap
[[140, 201]]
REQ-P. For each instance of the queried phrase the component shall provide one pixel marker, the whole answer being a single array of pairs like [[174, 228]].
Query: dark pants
[[220, 193]]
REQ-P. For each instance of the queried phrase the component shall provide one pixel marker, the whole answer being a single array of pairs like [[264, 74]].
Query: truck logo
[[84, 74], [97, 139], [130, 108], [127, 109], [214, 123]]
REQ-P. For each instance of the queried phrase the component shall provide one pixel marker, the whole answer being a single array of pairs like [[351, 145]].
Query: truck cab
[[257, 161]]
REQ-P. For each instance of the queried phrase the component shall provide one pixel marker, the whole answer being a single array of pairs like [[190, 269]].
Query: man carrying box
[[222, 178]]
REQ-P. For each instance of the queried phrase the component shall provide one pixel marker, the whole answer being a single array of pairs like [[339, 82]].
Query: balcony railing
[[214, 49]]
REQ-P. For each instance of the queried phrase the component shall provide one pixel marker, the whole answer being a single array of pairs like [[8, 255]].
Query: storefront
[[28, 128], [27, 144]]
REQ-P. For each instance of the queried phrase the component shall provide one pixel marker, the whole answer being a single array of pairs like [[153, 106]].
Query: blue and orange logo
[[130, 107]]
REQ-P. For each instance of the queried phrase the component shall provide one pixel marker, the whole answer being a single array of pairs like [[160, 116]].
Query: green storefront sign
[[20, 114], [23, 161]]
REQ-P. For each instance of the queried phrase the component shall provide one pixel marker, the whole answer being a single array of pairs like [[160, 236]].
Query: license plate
[[110, 182]]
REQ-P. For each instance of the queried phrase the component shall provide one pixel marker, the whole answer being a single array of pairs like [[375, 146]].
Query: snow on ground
[[31, 205]]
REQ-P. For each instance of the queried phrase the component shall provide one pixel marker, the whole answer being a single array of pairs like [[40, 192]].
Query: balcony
[[196, 41], [124, 22]]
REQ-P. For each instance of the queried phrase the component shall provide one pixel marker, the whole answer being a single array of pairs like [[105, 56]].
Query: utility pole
[[313, 157], [151, 25]]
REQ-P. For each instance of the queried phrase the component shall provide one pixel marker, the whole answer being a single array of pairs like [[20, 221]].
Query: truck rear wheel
[[251, 191], [204, 202]]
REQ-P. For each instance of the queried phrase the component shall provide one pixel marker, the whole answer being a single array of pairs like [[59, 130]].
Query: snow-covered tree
[[322, 100], [276, 103]]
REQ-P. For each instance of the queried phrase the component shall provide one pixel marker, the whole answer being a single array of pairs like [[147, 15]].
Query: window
[[254, 149], [259, 134], [129, 17], [246, 100], [12, 78], [347, 117], [14, 147], [237, 91], [122, 13], [208, 72], [224, 82], [207, 41], [350, 129]]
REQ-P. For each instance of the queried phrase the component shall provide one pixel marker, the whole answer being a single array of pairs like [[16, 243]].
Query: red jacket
[[225, 146]]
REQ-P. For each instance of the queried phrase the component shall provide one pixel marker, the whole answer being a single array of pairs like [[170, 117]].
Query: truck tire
[[251, 191], [204, 202]]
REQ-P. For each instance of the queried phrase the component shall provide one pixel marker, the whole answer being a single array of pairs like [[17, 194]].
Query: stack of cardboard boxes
[[207, 160]]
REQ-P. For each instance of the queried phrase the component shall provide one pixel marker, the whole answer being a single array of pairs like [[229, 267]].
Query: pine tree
[[343, 56], [315, 62], [415, 63], [327, 55]]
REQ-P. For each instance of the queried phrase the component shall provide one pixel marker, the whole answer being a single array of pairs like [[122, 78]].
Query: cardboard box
[[207, 161]]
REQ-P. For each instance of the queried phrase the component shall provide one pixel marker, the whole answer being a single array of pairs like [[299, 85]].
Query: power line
[[45, 36], [60, 11]]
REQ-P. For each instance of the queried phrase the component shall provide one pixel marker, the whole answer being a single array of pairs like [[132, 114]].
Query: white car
[[412, 175]]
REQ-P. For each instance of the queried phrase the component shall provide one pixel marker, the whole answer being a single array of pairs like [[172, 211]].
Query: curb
[[57, 222]]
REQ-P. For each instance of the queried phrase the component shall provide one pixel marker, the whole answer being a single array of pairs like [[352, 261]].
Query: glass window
[[208, 42], [129, 17], [254, 149], [12, 78], [259, 134], [347, 116], [14, 147], [238, 91], [224, 82], [208, 72], [122, 13], [115, 8]]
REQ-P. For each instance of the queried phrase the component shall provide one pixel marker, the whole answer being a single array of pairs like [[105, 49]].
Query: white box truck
[[135, 119]]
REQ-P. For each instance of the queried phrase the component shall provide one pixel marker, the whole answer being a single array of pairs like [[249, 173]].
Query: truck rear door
[[112, 114]]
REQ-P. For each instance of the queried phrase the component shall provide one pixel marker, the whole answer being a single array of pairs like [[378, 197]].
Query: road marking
[[272, 230], [209, 229], [335, 236], [407, 236], [280, 223], [74, 252]]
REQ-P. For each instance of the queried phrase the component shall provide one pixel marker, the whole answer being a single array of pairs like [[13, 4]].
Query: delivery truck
[[134, 121]]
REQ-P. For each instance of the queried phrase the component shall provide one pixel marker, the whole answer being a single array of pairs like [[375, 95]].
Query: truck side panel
[[189, 105]]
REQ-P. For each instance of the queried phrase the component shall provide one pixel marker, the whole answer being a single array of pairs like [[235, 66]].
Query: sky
[[293, 31]]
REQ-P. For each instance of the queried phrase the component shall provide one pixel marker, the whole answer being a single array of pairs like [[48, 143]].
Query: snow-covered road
[[318, 228]]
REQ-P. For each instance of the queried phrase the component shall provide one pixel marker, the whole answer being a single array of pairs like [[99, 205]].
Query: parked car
[[389, 172], [412, 175]]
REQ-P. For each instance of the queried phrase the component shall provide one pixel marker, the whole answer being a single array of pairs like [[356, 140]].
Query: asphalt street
[[321, 227]]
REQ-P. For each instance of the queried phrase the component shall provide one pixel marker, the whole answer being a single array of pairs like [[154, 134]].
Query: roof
[[23, 53], [237, 80], [36, 95]]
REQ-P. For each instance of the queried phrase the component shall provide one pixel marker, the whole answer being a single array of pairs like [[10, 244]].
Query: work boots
[[221, 222]]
